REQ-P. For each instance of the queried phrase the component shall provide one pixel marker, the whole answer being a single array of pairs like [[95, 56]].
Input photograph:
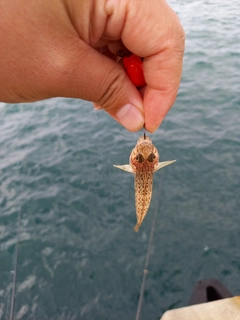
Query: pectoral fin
[[125, 167], [163, 164]]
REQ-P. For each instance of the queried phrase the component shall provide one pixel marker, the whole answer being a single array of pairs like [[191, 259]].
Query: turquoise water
[[79, 257]]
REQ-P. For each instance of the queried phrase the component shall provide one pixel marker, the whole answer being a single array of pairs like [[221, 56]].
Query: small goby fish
[[143, 162]]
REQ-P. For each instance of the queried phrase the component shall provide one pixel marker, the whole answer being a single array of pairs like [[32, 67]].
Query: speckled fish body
[[143, 162]]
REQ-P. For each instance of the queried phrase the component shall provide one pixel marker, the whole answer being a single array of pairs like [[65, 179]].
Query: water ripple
[[78, 254]]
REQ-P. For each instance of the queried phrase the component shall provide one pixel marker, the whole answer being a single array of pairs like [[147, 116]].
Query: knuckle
[[111, 95]]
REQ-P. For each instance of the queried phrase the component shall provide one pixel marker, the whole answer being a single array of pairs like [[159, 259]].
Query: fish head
[[144, 156]]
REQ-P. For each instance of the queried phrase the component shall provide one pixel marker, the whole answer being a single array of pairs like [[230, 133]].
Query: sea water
[[79, 257]]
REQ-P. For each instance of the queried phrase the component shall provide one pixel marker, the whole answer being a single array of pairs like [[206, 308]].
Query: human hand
[[57, 48]]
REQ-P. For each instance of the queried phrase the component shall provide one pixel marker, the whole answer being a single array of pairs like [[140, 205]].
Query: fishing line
[[144, 133], [145, 271], [15, 268]]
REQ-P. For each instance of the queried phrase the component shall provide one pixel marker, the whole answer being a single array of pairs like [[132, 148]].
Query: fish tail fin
[[136, 228]]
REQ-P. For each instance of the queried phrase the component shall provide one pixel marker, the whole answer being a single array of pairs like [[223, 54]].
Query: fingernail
[[96, 107], [130, 117], [152, 129]]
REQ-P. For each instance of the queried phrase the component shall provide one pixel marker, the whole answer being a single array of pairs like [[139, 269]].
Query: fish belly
[[143, 194]]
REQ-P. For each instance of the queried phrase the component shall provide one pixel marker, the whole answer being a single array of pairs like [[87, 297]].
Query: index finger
[[153, 31], [163, 74]]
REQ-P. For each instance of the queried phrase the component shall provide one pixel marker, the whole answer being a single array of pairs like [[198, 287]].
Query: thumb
[[99, 79]]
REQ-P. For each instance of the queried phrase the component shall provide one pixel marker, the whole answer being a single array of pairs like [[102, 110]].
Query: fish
[[143, 162]]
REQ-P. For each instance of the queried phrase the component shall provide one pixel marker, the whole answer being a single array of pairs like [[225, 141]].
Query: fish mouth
[[144, 139]]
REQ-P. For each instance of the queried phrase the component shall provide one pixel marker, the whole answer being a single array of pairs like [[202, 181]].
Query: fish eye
[[139, 158], [151, 157]]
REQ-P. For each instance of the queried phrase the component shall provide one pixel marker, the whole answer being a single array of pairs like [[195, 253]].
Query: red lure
[[133, 65]]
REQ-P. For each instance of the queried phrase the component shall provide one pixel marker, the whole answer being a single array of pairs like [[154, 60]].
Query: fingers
[[153, 31], [57, 55], [157, 106], [149, 29], [163, 74], [93, 76]]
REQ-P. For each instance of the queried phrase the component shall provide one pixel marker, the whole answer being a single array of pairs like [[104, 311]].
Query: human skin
[[57, 49]]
